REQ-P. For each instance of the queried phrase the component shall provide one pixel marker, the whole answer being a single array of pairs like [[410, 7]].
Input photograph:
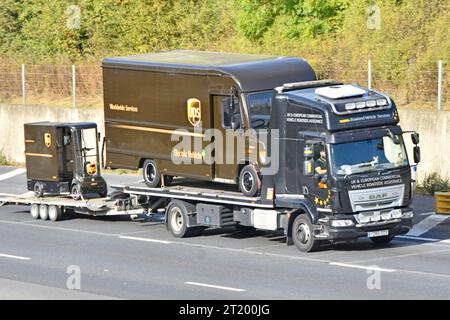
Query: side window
[[228, 115], [317, 150], [260, 105]]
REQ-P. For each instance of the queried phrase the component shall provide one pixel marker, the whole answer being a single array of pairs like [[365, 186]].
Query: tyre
[[34, 211], [152, 176], [249, 182], [38, 190], [382, 240], [177, 212], [75, 192], [43, 211], [302, 234], [54, 213]]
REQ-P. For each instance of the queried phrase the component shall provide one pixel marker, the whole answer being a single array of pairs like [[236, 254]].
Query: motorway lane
[[116, 261]]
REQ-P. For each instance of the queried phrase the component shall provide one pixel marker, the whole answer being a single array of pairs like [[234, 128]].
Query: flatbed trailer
[[55, 207]]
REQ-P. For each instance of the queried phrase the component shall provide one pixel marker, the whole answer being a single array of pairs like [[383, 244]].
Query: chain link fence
[[81, 85]]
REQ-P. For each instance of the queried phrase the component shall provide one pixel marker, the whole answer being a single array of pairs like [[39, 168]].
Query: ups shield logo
[[194, 111], [48, 140]]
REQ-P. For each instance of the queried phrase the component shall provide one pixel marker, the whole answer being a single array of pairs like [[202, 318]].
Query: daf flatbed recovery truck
[[342, 167]]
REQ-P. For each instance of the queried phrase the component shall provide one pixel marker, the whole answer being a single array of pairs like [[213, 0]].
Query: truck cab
[[343, 162]]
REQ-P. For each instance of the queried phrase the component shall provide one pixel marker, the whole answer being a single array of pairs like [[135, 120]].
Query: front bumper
[[395, 227]]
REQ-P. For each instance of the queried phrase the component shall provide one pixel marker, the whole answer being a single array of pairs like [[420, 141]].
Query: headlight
[[341, 223], [408, 214], [397, 213]]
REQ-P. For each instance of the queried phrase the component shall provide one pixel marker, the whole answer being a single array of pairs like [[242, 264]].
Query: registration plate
[[378, 233]]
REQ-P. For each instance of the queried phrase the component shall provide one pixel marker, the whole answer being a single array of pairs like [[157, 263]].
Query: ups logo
[[48, 140], [194, 111]]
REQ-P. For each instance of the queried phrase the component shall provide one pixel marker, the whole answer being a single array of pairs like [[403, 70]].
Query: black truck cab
[[363, 186]]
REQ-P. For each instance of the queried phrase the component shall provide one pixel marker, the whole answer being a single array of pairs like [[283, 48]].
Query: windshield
[[259, 105], [368, 155]]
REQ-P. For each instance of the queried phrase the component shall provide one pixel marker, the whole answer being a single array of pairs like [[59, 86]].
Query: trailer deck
[[197, 191]]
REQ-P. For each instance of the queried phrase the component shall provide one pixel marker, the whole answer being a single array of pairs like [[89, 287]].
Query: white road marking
[[418, 238], [2, 255], [426, 213], [146, 239], [426, 225], [12, 174], [361, 267], [214, 286]]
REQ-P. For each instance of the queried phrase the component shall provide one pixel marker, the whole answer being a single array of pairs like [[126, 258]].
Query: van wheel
[[302, 234], [34, 211], [152, 176], [38, 190], [75, 192], [43, 211], [249, 182], [177, 212], [54, 213]]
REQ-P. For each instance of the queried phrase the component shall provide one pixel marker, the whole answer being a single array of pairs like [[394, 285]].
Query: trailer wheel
[[249, 182], [302, 234], [177, 219], [43, 211], [38, 190], [54, 213], [34, 211], [75, 192], [152, 176]]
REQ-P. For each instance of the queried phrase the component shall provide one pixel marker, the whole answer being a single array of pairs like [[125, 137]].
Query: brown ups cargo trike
[[63, 158]]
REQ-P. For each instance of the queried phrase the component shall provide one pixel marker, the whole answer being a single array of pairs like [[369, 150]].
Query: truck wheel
[[152, 176], [38, 190], [382, 240], [43, 211], [302, 234], [249, 182], [75, 192], [34, 211], [54, 213], [177, 219]]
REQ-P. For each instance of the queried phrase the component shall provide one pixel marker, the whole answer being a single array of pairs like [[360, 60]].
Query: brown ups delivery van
[[148, 97]]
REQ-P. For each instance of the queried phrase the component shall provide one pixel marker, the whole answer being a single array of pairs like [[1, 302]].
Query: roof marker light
[[371, 103], [360, 105], [350, 106]]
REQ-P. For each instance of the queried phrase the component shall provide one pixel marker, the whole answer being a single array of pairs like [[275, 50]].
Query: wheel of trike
[[43, 211], [302, 234], [34, 211], [38, 189], [177, 215], [54, 213]]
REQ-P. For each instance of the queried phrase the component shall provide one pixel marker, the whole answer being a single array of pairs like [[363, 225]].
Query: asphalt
[[124, 259]]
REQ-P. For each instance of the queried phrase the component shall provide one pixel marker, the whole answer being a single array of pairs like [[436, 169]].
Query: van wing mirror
[[415, 138], [416, 152]]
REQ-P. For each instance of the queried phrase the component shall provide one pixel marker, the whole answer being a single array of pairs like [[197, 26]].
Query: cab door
[[227, 122], [314, 185]]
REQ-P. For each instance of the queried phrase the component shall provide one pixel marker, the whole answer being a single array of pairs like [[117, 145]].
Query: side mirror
[[308, 167], [416, 152], [234, 125], [415, 138]]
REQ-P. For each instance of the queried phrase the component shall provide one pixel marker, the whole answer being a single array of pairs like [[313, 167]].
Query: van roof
[[251, 72]]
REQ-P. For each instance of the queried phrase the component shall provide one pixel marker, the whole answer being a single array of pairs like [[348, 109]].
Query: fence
[[81, 85]]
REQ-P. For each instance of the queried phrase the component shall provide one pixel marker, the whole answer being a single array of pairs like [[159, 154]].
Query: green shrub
[[3, 159], [433, 182]]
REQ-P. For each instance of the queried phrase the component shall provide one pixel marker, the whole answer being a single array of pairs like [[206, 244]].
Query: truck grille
[[377, 198]]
